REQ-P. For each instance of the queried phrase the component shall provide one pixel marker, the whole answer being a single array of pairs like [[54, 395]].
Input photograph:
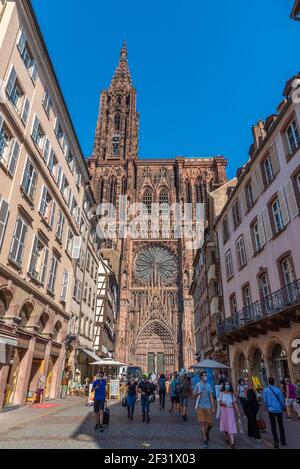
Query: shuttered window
[[18, 241], [4, 212]]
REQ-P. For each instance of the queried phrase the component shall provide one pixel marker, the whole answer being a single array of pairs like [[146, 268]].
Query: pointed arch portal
[[155, 348]]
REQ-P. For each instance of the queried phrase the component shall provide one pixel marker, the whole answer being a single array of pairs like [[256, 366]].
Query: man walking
[[146, 388], [162, 391], [274, 402], [184, 390], [205, 406], [99, 386]]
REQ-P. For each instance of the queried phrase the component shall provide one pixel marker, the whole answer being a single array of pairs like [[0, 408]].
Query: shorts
[[99, 405], [175, 399], [204, 416], [184, 401], [290, 402]]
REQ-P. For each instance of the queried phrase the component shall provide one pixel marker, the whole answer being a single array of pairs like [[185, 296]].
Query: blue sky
[[205, 71]]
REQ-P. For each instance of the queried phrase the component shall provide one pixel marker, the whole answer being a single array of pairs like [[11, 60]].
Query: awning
[[90, 354], [207, 363], [108, 362]]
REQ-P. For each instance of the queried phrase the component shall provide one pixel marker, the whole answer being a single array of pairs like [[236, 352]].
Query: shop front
[[7, 350]]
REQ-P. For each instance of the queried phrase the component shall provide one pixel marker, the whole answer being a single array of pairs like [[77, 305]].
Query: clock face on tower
[[156, 265]]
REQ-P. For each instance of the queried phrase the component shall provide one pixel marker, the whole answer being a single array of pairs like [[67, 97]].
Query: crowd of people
[[229, 406]]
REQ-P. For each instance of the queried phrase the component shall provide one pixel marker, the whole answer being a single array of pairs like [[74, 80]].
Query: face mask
[[227, 387], [205, 378]]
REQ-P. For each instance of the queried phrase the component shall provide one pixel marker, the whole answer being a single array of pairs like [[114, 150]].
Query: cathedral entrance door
[[160, 363], [151, 363]]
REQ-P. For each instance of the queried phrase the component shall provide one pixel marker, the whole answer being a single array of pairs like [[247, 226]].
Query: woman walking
[[131, 396], [242, 394], [252, 408], [291, 398], [228, 404]]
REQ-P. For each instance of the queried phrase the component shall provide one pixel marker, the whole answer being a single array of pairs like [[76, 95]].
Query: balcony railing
[[271, 305]]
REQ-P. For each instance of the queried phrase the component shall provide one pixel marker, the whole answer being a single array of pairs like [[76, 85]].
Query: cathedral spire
[[122, 77], [116, 135]]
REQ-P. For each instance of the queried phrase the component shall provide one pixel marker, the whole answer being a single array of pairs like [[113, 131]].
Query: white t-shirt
[[227, 398]]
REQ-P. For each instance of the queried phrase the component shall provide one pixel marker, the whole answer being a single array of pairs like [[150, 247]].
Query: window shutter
[[274, 159], [267, 224], [243, 202], [33, 256], [25, 110], [248, 244], [45, 263], [291, 199], [1, 121], [52, 213], [59, 176], [14, 157], [22, 241], [35, 127], [34, 71], [43, 201], [261, 232], [255, 190], [283, 207], [259, 181], [4, 211], [11, 81], [76, 247], [33, 185], [78, 215], [56, 126], [21, 41], [46, 152], [26, 175], [64, 289]]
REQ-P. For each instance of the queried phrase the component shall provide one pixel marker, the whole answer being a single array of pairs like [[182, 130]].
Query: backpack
[[179, 388]]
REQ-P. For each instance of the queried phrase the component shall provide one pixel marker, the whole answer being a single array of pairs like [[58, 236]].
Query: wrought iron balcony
[[271, 305]]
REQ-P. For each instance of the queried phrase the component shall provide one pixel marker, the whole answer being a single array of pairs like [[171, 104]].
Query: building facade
[[155, 329], [207, 285], [44, 182], [107, 309], [258, 231]]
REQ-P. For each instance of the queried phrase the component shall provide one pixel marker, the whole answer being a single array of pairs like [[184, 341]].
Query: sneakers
[[205, 445], [276, 445], [148, 418], [101, 428], [184, 418], [96, 426]]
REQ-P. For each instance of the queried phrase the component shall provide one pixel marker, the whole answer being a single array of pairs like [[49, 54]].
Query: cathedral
[[155, 327]]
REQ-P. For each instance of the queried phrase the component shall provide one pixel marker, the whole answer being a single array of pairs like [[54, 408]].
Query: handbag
[[152, 398], [261, 425], [124, 402]]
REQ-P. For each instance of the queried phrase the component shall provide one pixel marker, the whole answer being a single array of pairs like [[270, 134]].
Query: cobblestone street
[[70, 425]]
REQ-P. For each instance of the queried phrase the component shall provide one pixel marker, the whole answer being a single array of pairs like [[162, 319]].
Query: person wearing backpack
[[174, 395], [146, 389], [184, 390], [275, 402], [162, 391]]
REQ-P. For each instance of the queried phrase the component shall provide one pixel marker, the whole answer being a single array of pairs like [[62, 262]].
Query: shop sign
[[114, 389]]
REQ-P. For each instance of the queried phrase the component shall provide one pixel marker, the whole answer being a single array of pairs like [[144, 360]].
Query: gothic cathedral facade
[[156, 313]]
